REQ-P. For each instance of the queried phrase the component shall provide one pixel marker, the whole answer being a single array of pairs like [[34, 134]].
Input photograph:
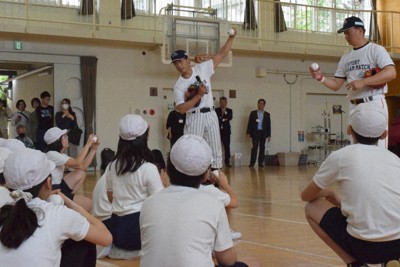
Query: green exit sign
[[17, 45]]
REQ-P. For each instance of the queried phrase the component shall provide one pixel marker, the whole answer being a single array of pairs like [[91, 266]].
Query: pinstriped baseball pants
[[206, 125]]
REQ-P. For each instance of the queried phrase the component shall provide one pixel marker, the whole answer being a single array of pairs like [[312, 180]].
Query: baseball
[[94, 139], [55, 199], [231, 32], [314, 66]]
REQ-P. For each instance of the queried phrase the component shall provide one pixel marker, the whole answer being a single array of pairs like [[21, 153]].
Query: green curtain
[[373, 26], [249, 16], [88, 82], [280, 23], [86, 7], [127, 9]]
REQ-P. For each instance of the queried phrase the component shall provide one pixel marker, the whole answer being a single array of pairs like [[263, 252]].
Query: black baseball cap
[[178, 55], [351, 22]]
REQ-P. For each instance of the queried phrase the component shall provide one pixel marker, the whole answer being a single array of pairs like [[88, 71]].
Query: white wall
[[125, 76]]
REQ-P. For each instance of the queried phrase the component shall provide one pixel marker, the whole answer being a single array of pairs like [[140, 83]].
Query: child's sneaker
[[103, 252], [236, 235]]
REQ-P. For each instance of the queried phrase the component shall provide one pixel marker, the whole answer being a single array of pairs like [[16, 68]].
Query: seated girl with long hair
[[57, 145], [32, 230], [130, 179]]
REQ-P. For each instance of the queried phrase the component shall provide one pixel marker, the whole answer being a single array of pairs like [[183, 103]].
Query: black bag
[[107, 155], [74, 135]]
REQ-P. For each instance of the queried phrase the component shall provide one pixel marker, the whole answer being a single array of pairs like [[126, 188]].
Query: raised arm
[[86, 155], [224, 50]]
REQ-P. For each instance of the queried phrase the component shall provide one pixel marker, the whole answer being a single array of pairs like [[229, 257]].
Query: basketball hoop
[[202, 57]]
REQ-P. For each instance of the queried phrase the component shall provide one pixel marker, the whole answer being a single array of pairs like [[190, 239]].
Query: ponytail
[[18, 222]]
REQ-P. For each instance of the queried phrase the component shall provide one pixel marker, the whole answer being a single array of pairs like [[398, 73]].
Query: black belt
[[204, 110], [361, 100]]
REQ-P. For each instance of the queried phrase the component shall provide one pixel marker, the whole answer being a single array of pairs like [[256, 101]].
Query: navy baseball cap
[[351, 22], [178, 55]]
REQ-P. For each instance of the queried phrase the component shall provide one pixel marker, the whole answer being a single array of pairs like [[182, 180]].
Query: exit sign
[[17, 45]]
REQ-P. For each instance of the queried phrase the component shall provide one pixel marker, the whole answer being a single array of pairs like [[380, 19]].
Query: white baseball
[[231, 32], [314, 66], [215, 173], [56, 199], [94, 139]]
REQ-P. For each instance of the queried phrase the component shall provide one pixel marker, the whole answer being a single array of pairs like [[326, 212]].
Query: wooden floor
[[270, 217]]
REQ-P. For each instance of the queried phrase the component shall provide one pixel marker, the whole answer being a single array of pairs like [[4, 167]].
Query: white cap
[[368, 120], [13, 144], [53, 134], [191, 155], [132, 126], [4, 153], [26, 168]]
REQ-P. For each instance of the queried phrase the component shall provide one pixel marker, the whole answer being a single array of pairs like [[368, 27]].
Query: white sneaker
[[236, 235], [103, 252], [122, 254]]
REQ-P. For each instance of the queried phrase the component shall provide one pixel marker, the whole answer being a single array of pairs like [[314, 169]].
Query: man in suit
[[259, 129], [224, 116]]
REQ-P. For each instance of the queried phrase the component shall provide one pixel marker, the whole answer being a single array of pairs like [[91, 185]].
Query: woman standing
[[130, 179], [21, 116], [66, 120]]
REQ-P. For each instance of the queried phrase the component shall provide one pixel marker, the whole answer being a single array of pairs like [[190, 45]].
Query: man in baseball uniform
[[367, 68], [201, 118]]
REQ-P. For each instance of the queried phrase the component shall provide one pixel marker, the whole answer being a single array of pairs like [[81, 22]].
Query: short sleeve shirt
[[59, 159]]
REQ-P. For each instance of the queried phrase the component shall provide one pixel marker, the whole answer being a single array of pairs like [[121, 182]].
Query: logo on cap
[[178, 54], [351, 22]]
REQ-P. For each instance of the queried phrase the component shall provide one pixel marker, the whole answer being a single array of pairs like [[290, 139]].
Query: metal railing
[[281, 27]]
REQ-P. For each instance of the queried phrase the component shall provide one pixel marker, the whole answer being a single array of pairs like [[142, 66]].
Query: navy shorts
[[126, 231], [237, 264], [64, 188], [334, 224]]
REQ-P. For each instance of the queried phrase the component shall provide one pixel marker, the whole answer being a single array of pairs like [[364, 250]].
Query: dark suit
[[175, 121], [258, 136], [225, 131]]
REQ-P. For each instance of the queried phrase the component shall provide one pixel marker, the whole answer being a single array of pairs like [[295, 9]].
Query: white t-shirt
[[59, 159], [101, 207], [5, 196], [369, 179], [217, 193], [43, 248], [132, 188], [353, 64], [204, 70], [181, 226]]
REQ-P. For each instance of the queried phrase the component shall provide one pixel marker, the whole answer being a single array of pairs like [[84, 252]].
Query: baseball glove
[[191, 92], [372, 72]]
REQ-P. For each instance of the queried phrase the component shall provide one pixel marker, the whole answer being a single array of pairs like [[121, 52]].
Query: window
[[323, 15], [5, 89], [154, 6], [231, 10], [66, 3]]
